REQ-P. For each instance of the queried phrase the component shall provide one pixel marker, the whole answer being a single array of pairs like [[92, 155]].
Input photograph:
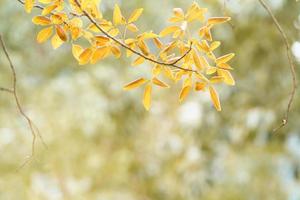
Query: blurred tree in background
[[102, 144]]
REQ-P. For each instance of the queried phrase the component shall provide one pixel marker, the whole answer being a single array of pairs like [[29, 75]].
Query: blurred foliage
[[103, 145]]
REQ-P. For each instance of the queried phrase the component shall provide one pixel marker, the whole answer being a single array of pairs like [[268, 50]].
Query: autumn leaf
[[117, 16], [41, 20], [135, 15], [47, 10], [217, 20], [200, 86], [225, 58], [215, 98], [28, 4], [56, 41], [76, 51], [228, 79], [184, 93], [135, 84], [100, 54], [138, 61], [147, 96], [44, 34], [169, 30], [61, 33], [85, 56], [159, 83]]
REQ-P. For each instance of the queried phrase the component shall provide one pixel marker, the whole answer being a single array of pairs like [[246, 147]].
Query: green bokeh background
[[103, 145]]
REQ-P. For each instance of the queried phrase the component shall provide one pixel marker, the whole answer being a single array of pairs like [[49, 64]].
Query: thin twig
[[291, 63], [2, 89], [33, 129], [173, 64]]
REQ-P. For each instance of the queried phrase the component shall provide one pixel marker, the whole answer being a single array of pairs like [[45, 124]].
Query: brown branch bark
[[291, 64], [33, 129]]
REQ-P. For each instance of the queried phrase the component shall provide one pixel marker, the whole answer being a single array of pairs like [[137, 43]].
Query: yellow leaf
[[47, 10], [215, 98], [224, 66], [147, 96], [45, 1], [225, 58], [195, 13], [116, 51], [41, 20], [206, 33], [76, 51], [203, 62], [159, 83], [158, 43], [135, 15], [58, 18], [168, 73], [114, 32], [147, 35], [100, 54], [44, 34], [214, 45], [117, 16], [211, 70], [184, 92], [216, 79], [75, 33], [132, 28], [228, 79], [138, 61], [217, 20], [202, 77], [56, 41], [101, 40], [169, 30], [156, 70], [143, 47], [197, 60], [135, 84], [85, 56], [28, 4]]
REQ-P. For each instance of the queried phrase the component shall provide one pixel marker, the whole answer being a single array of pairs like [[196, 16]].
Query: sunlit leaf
[[225, 58], [218, 20], [184, 92], [215, 98], [44, 34], [117, 16], [56, 41], [28, 4], [147, 96], [135, 84], [135, 15], [41, 20], [159, 83]]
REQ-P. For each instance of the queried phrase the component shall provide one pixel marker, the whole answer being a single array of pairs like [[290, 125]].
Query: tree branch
[[173, 64], [33, 129], [291, 64]]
